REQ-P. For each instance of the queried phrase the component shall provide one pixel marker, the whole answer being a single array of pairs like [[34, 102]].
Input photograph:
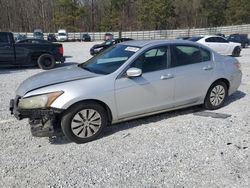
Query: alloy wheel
[[217, 95], [86, 123]]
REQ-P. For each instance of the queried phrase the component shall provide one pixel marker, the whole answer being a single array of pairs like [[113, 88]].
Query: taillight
[[237, 65], [61, 50]]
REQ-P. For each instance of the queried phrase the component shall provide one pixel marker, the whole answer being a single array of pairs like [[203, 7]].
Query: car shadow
[[234, 97], [67, 56], [149, 119], [59, 139], [112, 129]]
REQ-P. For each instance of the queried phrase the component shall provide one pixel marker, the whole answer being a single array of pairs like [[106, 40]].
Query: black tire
[[236, 51], [209, 103], [245, 45], [46, 62], [69, 118]]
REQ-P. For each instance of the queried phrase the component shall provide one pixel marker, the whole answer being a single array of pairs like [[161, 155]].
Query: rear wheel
[[46, 62], [216, 96], [236, 51], [84, 122]]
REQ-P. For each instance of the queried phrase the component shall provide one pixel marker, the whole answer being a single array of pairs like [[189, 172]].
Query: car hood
[[99, 46], [52, 77]]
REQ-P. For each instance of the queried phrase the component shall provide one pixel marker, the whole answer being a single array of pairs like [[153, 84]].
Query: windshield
[[62, 34], [109, 60], [38, 34], [195, 39]]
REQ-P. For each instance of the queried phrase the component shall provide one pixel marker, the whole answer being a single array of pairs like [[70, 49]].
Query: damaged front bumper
[[43, 122]]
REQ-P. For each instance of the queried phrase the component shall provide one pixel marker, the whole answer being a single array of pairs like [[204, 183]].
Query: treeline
[[120, 15]]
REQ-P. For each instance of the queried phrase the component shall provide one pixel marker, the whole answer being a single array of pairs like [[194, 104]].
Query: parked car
[[97, 48], [20, 37], [221, 35], [127, 81], [38, 34], [33, 41], [62, 35], [29, 53], [85, 37], [183, 38], [219, 44], [51, 37], [240, 38], [108, 36]]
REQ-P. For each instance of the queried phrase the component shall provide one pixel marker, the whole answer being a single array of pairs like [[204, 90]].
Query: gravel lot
[[184, 148]]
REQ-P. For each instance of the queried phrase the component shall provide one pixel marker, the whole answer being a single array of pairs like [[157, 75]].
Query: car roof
[[142, 43], [38, 30], [208, 36]]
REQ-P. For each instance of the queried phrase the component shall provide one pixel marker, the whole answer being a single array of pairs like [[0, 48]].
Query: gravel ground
[[184, 148]]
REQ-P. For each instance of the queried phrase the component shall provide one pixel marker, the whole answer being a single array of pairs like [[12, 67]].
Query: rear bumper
[[235, 82], [43, 122], [60, 58]]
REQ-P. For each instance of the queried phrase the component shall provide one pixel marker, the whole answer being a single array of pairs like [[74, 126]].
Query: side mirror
[[134, 72]]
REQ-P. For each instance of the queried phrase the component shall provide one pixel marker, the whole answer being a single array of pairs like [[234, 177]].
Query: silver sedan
[[127, 81]]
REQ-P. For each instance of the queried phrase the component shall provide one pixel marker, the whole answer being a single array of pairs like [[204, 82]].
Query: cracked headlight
[[39, 101]]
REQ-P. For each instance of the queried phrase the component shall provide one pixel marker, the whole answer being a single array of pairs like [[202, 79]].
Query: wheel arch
[[36, 55], [104, 105], [226, 81]]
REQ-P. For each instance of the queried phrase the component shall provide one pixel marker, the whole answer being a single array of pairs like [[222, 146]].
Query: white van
[[62, 35]]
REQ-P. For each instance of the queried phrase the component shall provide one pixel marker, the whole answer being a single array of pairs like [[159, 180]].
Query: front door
[[7, 55], [150, 92], [214, 44]]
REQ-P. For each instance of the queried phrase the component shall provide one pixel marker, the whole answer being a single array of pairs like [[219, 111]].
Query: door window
[[221, 40], [185, 55], [206, 55], [4, 38], [152, 60], [211, 39]]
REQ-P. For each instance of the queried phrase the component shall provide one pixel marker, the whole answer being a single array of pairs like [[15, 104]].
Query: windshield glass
[[109, 60], [38, 34], [62, 34]]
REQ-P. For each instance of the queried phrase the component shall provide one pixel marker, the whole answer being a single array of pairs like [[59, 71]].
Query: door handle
[[168, 76], [207, 68]]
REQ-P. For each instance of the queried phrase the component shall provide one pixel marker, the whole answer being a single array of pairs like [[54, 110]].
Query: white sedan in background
[[219, 44]]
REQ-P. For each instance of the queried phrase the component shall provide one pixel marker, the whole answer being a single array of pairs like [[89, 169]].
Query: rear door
[[7, 54], [224, 46], [192, 68]]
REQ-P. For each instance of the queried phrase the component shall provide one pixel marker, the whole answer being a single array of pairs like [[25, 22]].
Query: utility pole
[[92, 16], [43, 14]]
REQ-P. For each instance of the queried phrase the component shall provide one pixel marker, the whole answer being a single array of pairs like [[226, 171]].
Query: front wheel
[[84, 122], [236, 51], [216, 96]]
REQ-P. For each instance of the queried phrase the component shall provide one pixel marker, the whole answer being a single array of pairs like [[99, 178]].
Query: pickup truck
[[44, 55]]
